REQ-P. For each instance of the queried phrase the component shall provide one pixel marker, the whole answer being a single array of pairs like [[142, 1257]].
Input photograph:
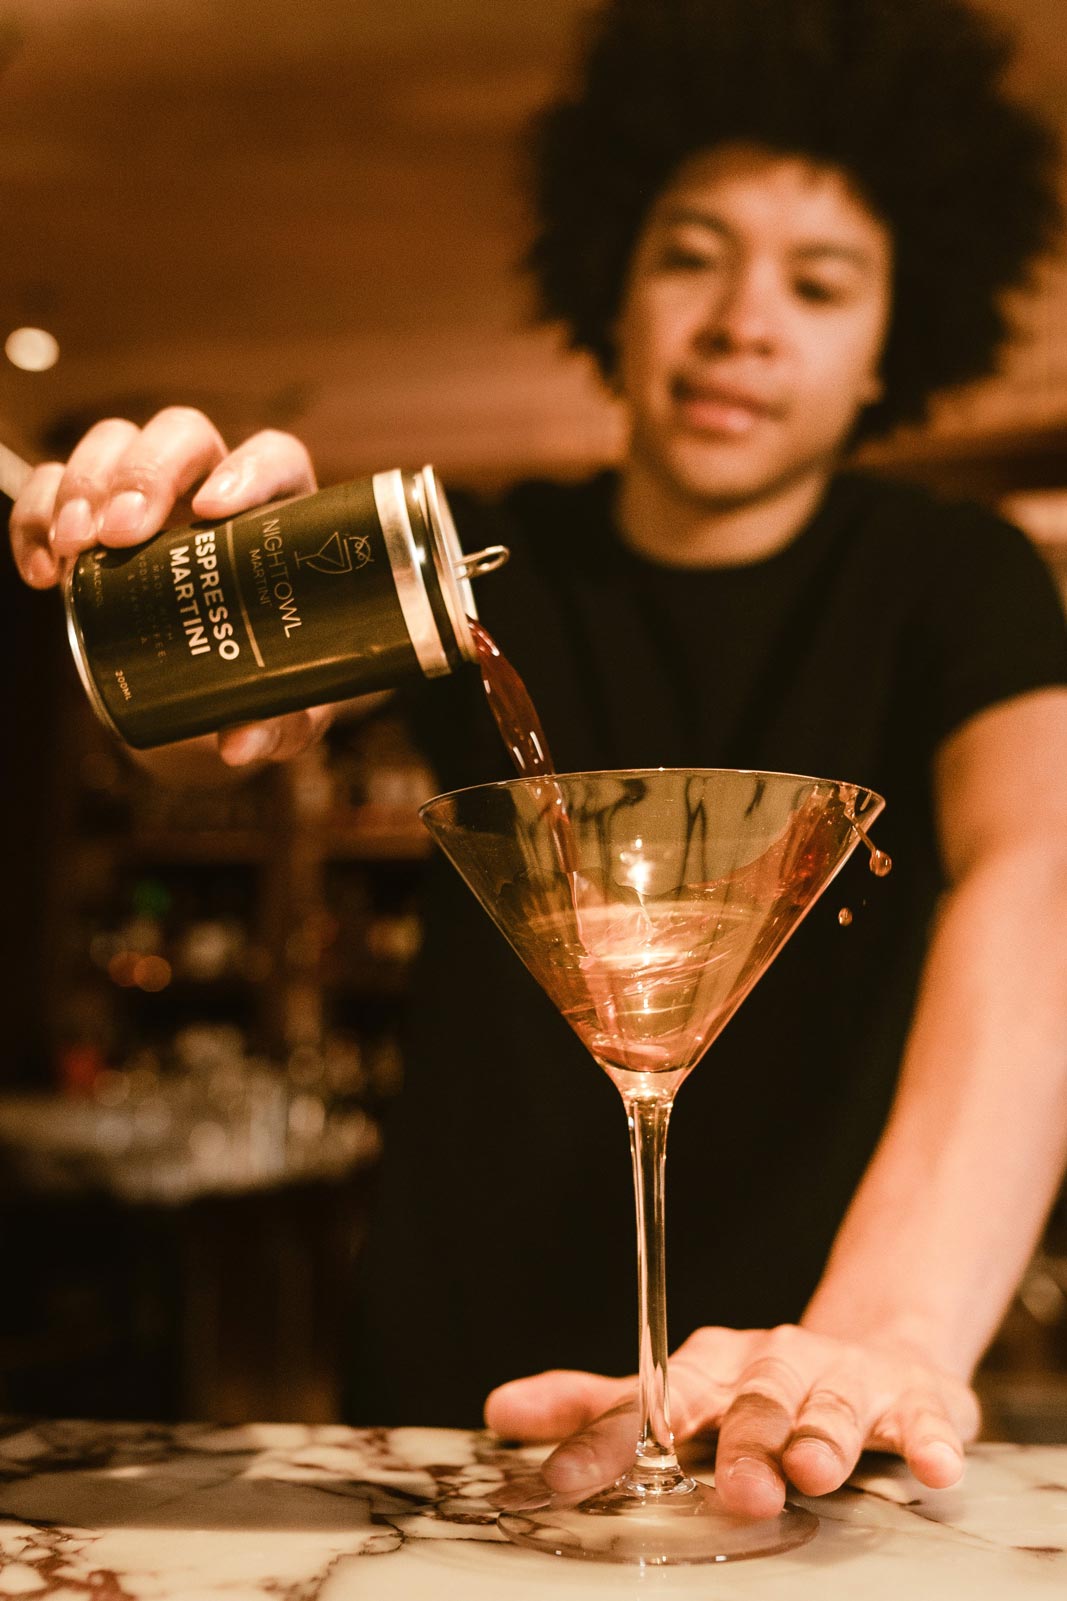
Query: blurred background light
[[32, 349]]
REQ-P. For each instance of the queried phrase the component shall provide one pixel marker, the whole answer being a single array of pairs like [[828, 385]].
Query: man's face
[[752, 324]]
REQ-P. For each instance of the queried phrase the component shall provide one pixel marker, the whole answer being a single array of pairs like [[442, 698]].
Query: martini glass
[[647, 903]]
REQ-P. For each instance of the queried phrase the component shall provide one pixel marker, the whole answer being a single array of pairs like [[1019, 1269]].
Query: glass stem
[[655, 1466]]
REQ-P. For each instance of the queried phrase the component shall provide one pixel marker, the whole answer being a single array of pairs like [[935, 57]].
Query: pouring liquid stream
[[628, 982], [524, 738]]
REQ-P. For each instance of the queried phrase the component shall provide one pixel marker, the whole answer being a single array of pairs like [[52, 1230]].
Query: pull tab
[[480, 562]]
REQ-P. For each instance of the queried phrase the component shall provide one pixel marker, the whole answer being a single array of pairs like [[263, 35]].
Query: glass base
[[687, 1524]]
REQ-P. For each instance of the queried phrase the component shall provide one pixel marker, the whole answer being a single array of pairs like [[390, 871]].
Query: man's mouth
[[722, 409]]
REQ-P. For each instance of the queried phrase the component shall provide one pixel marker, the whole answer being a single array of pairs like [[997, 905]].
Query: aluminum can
[[351, 589]]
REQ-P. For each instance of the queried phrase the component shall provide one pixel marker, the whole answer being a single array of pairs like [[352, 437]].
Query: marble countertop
[[283, 1512]]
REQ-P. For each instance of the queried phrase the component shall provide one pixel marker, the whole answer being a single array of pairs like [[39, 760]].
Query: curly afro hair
[[902, 96]]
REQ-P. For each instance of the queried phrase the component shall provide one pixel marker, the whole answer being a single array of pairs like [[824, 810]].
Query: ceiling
[[309, 217]]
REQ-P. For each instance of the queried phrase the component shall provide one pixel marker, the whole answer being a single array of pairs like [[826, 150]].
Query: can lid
[[407, 562], [448, 555]]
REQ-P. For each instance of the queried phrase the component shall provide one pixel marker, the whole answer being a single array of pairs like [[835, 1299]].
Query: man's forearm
[[953, 1201]]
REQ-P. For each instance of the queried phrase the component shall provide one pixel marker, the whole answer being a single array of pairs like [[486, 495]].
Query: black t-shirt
[[503, 1236]]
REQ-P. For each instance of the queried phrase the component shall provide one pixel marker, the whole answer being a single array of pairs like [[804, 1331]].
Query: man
[[770, 257]]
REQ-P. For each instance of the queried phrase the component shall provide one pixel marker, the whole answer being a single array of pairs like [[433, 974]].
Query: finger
[[749, 1475], [29, 523], [829, 1436], [598, 1453], [171, 454], [525, 1494], [703, 1376], [276, 739], [920, 1429], [266, 466], [87, 483], [547, 1406]]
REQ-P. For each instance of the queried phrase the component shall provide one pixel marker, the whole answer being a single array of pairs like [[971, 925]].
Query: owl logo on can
[[340, 554]]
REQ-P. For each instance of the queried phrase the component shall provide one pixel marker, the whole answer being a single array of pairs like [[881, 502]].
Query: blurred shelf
[[370, 979], [356, 837], [366, 835], [207, 846], [1024, 1408]]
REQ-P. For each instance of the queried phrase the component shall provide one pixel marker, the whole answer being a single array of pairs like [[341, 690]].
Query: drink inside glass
[[647, 903]]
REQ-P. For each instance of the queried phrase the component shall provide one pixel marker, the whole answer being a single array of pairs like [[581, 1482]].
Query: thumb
[[548, 1406]]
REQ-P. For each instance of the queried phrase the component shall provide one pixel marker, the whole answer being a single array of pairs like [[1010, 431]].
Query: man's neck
[[659, 520]]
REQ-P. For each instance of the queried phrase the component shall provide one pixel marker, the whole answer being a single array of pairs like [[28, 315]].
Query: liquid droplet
[[880, 864], [844, 917]]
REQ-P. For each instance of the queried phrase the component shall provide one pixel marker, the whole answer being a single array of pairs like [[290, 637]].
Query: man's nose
[[744, 312]]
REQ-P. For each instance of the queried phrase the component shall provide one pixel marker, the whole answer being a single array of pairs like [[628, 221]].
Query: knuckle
[[832, 1401], [107, 429], [774, 1374], [24, 523], [112, 425], [810, 1433], [274, 443], [758, 1406], [144, 473], [276, 438], [182, 417], [99, 446], [33, 506], [184, 428], [42, 481], [78, 484], [698, 1347]]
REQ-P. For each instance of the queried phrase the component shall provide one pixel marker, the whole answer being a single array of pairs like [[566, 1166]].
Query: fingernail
[[74, 525], [125, 513], [573, 1469], [40, 570], [749, 1469], [223, 485], [226, 482], [521, 1495], [816, 1451]]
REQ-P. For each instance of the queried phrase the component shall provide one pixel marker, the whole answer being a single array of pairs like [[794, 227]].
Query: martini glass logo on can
[[352, 589]]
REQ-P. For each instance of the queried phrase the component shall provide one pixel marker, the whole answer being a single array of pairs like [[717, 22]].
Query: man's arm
[[948, 1213], [953, 1200]]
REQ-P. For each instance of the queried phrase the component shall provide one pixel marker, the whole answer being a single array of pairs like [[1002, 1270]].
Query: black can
[[330, 595]]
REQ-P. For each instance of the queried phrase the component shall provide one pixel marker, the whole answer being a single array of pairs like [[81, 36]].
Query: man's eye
[[819, 293], [677, 258]]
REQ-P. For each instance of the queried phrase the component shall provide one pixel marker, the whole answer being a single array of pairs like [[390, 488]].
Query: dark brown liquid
[[514, 711], [520, 728], [524, 738]]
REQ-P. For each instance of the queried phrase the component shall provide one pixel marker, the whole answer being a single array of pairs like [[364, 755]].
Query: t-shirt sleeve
[[991, 622]]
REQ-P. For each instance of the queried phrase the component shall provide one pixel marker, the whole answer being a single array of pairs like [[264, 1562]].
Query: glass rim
[[646, 772]]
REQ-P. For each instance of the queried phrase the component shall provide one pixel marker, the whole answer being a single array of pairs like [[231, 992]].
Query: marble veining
[[283, 1512]]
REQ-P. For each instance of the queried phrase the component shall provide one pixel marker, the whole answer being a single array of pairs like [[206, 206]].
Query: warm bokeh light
[[151, 974], [32, 349]]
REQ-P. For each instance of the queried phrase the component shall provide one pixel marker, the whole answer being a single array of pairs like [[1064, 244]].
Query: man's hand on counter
[[790, 1407]]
